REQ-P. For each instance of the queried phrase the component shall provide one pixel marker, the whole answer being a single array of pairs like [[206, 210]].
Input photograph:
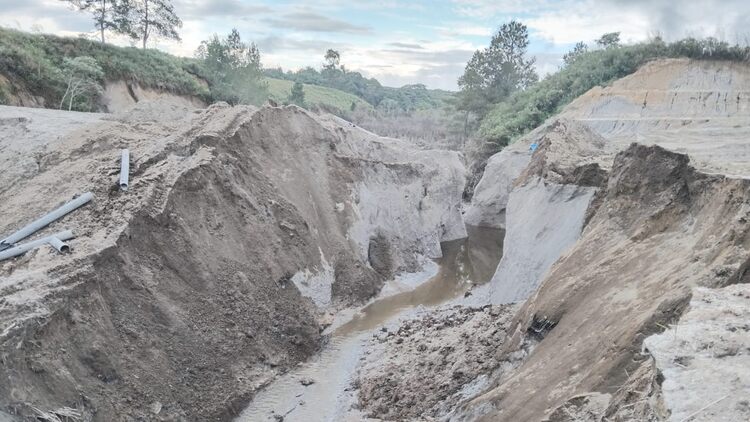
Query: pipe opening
[[59, 245]]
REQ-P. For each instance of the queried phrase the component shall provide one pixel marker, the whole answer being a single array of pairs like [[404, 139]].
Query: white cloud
[[584, 24], [459, 30], [492, 8]]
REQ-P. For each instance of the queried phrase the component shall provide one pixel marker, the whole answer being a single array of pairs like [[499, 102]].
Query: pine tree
[[147, 19], [497, 71], [107, 14], [297, 95]]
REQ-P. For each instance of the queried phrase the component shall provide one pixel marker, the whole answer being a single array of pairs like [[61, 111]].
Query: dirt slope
[[661, 229], [659, 224], [180, 297]]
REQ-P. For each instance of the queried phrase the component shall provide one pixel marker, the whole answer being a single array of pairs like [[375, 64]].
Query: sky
[[404, 42]]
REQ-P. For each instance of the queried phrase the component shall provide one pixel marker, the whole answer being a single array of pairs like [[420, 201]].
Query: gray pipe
[[46, 220], [58, 244], [22, 249], [124, 169]]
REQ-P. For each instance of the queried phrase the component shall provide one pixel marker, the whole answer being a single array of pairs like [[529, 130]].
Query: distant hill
[[279, 90], [408, 98]]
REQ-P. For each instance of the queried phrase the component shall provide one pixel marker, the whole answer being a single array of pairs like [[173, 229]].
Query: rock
[[156, 407], [306, 381]]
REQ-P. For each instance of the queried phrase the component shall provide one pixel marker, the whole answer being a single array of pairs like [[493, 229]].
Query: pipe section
[[46, 220], [58, 244], [124, 169], [22, 249]]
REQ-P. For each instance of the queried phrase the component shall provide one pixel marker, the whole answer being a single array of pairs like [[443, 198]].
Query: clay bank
[[274, 264]]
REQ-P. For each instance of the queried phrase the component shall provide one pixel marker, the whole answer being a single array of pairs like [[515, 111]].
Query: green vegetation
[[297, 94], [225, 70], [497, 71], [280, 89], [583, 69], [82, 75], [408, 98], [233, 70], [36, 63]]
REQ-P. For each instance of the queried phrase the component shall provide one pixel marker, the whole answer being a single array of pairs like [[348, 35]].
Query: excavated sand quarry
[[179, 299], [269, 264]]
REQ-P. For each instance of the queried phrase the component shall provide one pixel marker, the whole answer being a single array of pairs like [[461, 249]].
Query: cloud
[[275, 44], [585, 20], [50, 16], [547, 63], [452, 56], [568, 28], [199, 9], [407, 46], [492, 8], [313, 22], [441, 76]]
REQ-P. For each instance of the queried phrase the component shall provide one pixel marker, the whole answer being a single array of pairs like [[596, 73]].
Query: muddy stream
[[330, 397]]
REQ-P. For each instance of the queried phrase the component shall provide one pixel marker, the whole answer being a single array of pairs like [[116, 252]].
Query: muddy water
[[465, 262]]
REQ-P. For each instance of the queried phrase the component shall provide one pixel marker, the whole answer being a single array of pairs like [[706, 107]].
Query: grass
[[34, 62], [279, 90]]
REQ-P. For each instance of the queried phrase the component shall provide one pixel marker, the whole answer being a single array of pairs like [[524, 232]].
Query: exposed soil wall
[[119, 96]]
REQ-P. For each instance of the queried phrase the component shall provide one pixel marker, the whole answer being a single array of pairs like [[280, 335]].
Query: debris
[[694, 414], [59, 415], [306, 381], [156, 407]]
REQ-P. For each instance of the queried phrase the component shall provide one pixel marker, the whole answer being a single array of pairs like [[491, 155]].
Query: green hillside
[[279, 90], [34, 63]]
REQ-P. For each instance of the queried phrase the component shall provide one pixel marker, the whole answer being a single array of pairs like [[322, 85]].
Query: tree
[[577, 51], [108, 14], [230, 53], [146, 19], [234, 68], [611, 39], [333, 58], [494, 73], [297, 95], [82, 75]]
